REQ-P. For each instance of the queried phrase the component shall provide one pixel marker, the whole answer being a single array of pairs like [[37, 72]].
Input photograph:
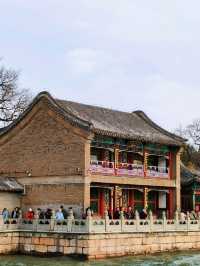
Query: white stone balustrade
[[106, 225]]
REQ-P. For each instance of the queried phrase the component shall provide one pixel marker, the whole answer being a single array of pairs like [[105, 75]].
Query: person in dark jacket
[[65, 213], [15, 213], [117, 213], [48, 214], [129, 214], [109, 214], [41, 214], [143, 214]]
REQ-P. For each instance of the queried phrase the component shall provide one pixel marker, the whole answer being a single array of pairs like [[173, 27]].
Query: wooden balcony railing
[[105, 167], [130, 169], [102, 167], [156, 171]]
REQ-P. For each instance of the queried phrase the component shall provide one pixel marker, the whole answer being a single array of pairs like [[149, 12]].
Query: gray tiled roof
[[189, 176], [10, 184], [136, 125]]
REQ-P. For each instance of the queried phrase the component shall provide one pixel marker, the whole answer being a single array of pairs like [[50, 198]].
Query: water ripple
[[166, 259]]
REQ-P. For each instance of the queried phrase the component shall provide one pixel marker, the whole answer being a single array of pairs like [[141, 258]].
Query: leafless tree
[[181, 131], [193, 132], [13, 100]]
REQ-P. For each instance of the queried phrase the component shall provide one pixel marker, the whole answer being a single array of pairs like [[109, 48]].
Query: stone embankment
[[99, 238], [95, 246]]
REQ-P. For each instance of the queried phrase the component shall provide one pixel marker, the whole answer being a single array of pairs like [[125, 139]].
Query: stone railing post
[[20, 219], [106, 217], [188, 221], [122, 220], [70, 220], [35, 224], [198, 218], [164, 221], [20, 214], [1, 220], [137, 220], [89, 221], [36, 216], [151, 220], [176, 217], [52, 222], [35, 220]]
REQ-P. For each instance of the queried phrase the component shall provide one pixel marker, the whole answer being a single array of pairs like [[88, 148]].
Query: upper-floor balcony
[[123, 158], [128, 169]]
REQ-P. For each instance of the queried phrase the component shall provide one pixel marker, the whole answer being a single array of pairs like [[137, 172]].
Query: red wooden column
[[114, 198], [130, 198], [171, 203], [112, 201], [170, 165]]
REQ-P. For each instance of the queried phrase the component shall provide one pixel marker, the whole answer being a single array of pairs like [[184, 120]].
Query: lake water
[[181, 259]]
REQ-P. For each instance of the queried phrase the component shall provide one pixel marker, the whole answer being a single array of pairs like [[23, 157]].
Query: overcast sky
[[122, 54]]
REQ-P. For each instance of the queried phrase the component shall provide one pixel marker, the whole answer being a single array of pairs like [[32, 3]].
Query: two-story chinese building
[[79, 155]]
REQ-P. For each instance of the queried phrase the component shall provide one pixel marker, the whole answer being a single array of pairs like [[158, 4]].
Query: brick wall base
[[95, 246]]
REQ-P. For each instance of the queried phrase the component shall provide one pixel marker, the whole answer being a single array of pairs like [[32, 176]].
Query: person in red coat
[[30, 214]]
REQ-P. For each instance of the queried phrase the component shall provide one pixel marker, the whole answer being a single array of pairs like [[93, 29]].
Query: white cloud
[[86, 61], [170, 102], [82, 60], [119, 53]]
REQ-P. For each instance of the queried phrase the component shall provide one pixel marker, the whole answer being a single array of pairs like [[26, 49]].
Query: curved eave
[[180, 141], [74, 120], [188, 183], [188, 176], [134, 137], [12, 190]]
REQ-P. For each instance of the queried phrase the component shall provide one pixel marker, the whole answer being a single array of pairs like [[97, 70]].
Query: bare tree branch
[[13, 100], [181, 131], [193, 131]]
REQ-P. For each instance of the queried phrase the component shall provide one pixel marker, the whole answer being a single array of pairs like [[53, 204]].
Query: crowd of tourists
[[193, 215], [128, 213], [120, 212], [62, 214], [14, 214], [59, 215]]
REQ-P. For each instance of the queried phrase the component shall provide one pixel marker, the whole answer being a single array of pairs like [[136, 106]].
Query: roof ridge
[[25, 112], [95, 106], [36, 99]]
